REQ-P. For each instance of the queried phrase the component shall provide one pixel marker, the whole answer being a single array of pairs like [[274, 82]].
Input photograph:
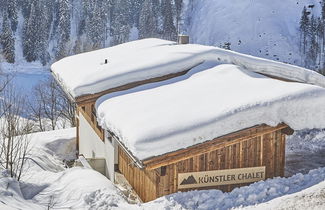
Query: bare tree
[[68, 108], [36, 113], [50, 102], [4, 80], [48, 98], [14, 142]]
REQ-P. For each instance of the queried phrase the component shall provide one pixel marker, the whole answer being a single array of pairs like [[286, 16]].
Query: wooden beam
[[287, 131], [84, 99], [220, 142], [99, 132], [278, 78]]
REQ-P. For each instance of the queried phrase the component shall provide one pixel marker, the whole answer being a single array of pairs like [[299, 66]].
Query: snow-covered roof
[[211, 102], [149, 58]]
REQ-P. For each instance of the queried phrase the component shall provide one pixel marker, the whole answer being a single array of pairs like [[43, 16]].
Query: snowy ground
[[310, 198], [49, 184], [305, 151]]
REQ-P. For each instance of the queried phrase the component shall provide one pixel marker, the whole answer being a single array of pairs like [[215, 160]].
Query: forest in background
[[312, 38], [48, 30]]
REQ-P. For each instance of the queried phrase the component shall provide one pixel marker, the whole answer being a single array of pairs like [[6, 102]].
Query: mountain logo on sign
[[189, 180]]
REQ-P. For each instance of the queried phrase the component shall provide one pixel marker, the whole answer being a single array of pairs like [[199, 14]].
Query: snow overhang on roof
[[210, 101], [88, 73]]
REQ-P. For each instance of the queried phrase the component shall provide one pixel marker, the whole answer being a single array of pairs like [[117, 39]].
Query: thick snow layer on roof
[[148, 58], [208, 104]]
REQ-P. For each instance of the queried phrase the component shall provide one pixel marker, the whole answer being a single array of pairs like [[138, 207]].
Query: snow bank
[[58, 142], [76, 187], [11, 196], [258, 192], [148, 58], [310, 198], [305, 150], [208, 104]]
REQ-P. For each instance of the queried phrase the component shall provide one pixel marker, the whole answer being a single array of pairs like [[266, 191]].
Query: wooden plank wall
[[87, 111], [264, 150], [142, 181]]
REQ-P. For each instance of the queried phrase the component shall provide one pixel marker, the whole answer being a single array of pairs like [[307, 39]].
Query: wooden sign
[[220, 177]]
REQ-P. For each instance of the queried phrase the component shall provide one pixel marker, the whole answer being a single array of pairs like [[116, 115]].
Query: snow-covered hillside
[[268, 29]]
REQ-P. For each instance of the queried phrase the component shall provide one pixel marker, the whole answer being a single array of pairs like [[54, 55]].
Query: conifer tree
[[7, 41], [64, 28], [121, 21], [45, 14], [30, 33], [13, 13], [313, 48], [169, 29], [136, 8], [47, 30], [178, 5], [304, 26], [148, 20], [320, 34]]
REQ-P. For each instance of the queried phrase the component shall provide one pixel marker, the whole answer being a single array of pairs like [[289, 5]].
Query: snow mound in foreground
[[76, 188], [310, 198], [209, 104], [259, 192]]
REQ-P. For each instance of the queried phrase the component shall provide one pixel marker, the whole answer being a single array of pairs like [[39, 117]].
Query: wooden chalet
[[225, 162], [258, 153]]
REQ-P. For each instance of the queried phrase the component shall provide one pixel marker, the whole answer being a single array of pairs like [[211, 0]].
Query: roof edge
[[222, 141]]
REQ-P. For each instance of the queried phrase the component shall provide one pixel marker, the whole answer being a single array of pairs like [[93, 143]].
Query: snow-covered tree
[[304, 27], [121, 21], [13, 13], [178, 6], [7, 41], [64, 28], [53, 29], [148, 19], [169, 29], [313, 48], [30, 35], [136, 8]]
